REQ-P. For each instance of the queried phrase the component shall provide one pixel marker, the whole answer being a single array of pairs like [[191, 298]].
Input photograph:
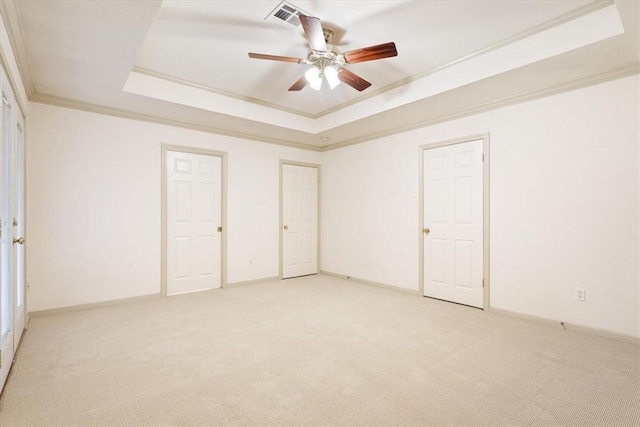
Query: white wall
[[93, 205], [565, 192], [564, 206]]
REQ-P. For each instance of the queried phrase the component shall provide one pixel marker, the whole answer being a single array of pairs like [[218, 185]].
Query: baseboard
[[251, 282], [569, 326], [370, 282], [81, 307], [110, 303]]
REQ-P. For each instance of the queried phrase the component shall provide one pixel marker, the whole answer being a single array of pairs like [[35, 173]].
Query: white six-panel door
[[300, 220], [194, 243], [453, 221]]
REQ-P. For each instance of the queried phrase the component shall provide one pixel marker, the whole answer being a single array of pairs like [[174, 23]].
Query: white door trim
[[485, 211], [164, 214], [281, 221]]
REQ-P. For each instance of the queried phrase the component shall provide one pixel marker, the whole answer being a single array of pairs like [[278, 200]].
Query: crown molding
[[493, 105], [222, 92], [13, 22], [511, 100], [93, 108]]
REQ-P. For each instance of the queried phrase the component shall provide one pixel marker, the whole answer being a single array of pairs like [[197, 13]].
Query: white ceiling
[[186, 61]]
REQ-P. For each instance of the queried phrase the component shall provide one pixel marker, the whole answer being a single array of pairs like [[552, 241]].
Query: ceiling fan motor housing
[[328, 34], [325, 58]]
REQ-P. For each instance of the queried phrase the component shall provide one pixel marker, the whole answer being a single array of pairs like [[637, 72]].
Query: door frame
[[281, 213], [485, 209], [164, 214]]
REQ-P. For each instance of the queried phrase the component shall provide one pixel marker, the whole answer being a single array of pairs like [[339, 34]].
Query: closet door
[[300, 220], [194, 222], [453, 220]]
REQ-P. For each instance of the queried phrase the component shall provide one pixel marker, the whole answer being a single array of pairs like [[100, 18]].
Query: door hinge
[[483, 283], [219, 229], [483, 157]]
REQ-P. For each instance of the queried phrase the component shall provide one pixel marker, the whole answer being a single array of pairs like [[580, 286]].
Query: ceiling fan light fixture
[[332, 77], [314, 77], [324, 57]]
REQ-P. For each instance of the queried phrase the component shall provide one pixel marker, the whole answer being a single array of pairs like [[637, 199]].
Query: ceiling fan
[[327, 60]]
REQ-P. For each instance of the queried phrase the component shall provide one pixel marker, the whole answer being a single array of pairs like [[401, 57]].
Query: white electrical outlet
[[580, 294], [250, 261]]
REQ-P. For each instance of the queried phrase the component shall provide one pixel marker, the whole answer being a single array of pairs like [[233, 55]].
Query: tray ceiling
[[187, 62]]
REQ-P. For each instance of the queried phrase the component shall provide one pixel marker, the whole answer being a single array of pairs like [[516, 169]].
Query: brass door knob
[[19, 241], [426, 231], [286, 227]]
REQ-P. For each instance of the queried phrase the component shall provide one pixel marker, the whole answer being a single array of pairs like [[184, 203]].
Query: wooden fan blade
[[299, 84], [353, 80], [313, 29], [371, 53], [275, 58]]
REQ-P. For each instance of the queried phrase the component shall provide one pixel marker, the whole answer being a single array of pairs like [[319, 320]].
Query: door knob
[[286, 227], [426, 231], [20, 241]]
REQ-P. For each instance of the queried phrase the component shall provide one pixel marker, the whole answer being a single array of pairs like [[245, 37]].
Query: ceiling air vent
[[286, 15]]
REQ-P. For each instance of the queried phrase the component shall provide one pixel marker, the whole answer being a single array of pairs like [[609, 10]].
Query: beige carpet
[[315, 351]]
